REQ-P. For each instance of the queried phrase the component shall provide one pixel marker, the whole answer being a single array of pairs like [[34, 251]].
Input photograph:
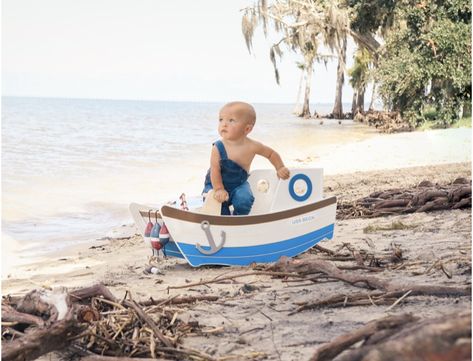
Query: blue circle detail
[[291, 187]]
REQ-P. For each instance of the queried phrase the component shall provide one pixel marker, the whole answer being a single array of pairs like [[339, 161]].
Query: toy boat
[[288, 217]]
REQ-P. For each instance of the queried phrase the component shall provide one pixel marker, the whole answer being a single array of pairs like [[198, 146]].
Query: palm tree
[[302, 80], [359, 78], [336, 38], [303, 23]]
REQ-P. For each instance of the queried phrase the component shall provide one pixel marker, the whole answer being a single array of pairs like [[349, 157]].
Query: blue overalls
[[234, 179]]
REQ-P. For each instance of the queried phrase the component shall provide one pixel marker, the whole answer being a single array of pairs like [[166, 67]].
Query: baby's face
[[233, 123]]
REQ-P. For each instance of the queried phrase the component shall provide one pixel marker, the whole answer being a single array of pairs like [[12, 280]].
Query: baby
[[231, 159]]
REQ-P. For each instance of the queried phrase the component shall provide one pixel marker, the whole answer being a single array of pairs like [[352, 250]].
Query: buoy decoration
[[154, 237], [148, 228], [164, 235]]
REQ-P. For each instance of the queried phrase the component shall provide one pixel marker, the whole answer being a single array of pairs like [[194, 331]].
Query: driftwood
[[41, 341], [53, 333], [178, 300], [93, 291], [9, 314], [147, 319], [425, 197], [96, 325], [375, 298], [341, 343], [311, 266], [111, 358], [385, 122], [404, 338]]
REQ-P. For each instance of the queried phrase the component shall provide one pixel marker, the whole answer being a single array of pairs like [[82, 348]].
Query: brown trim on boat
[[187, 216], [145, 214]]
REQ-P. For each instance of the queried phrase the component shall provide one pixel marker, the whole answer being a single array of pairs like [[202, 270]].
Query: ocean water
[[70, 167]]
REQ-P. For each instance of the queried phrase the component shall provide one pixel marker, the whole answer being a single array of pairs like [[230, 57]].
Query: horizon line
[[150, 100]]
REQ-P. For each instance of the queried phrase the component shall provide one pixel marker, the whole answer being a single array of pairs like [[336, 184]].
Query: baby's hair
[[246, 109]]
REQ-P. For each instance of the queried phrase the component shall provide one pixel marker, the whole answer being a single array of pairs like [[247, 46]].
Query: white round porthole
[[300, 187], [262, 186]]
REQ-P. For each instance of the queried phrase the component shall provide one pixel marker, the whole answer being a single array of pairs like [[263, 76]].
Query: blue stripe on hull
[[172, 250], [243, 256]]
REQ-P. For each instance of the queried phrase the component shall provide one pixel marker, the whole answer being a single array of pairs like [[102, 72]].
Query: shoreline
[[379, 154]]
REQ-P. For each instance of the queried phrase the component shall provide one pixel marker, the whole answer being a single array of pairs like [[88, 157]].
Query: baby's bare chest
[[242, 156]]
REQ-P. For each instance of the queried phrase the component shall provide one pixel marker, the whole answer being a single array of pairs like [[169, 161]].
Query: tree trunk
[[467, 108], [353, 103], [360, 100], [305, 108], [297, 107], [373, 95], [337, 111]]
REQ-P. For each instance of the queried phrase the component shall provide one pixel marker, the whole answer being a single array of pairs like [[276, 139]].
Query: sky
[[179, 50]]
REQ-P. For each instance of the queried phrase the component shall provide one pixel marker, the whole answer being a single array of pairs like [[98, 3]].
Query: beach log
[[341, 343], [392, 203], [33, 304], [9, 314], [98, 289], [465, 202], [441, 339], [41, 341]]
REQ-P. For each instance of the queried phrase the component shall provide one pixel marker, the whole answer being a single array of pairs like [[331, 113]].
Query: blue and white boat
[[288, 218]]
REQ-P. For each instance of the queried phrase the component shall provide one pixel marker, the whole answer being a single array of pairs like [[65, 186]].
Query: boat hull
[[242, 240]]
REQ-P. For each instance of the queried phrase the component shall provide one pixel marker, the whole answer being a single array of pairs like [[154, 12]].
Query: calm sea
[[70, 167]]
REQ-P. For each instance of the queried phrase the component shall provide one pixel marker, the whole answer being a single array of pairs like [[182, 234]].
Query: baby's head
[[240, 114]]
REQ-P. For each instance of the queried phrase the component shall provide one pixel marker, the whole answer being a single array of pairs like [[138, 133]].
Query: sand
[[252, 312]]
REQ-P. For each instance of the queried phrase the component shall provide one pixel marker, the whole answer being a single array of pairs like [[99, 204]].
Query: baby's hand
[[221, 195], [283, 172]]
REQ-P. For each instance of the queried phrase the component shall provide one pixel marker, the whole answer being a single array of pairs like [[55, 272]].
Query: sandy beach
[[251, 314]]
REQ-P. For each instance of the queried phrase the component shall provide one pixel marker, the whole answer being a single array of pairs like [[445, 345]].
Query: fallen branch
[[147, 319], [9, 314], [41, 341], [442, 339], [111, 358], [178, 300], [309, 266], [341, 343], [217, 280]]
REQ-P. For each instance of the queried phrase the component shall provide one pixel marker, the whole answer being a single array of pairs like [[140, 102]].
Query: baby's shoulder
[[255, 145]]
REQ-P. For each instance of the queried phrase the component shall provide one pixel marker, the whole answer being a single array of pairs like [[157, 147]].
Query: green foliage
[[370, 15], [360, 71], [427, 60], [464, 122]]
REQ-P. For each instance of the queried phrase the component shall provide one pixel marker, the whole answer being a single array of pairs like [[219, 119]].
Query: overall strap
[[221, 149]]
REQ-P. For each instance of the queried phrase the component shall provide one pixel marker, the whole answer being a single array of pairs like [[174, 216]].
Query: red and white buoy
[[164, 235]]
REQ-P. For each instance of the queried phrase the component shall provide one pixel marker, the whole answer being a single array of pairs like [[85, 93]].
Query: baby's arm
[[274, 158], [220, 194]]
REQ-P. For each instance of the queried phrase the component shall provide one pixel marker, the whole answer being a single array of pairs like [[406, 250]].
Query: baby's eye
[[220, 120], [232, 120]]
